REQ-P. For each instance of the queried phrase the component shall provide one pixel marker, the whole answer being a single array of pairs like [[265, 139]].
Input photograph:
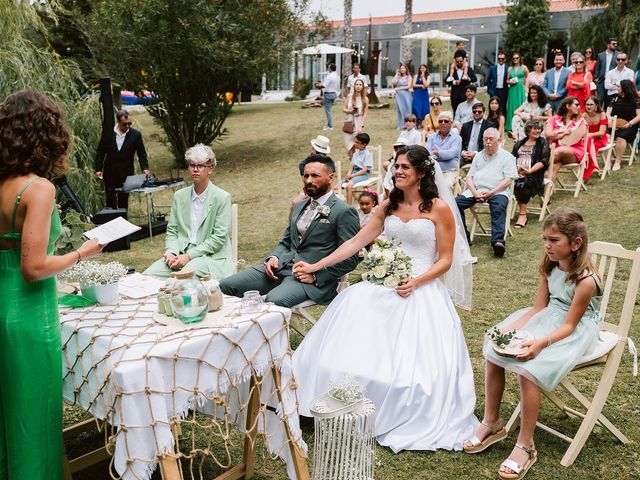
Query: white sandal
[[519, 470], [497, 432]]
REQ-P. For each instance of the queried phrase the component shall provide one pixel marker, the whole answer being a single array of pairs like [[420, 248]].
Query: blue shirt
[[449, 149], [362, 159]]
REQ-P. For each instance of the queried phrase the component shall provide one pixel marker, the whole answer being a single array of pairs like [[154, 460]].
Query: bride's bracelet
[[549, 342]]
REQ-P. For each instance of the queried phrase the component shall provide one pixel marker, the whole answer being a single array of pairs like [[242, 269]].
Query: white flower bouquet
[[94, 273], [347, 390], [386, 264]]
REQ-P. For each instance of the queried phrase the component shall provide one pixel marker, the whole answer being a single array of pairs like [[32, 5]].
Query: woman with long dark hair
[[566, 131], [597, 137], [536, 106], [420, 103], [495, 115], [626, 106], [33, 149], [404, 345]]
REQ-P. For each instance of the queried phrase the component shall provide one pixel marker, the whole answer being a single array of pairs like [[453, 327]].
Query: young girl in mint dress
[[564, 323], [33, 148]]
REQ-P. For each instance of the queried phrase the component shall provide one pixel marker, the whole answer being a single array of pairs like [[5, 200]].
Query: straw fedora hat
[[321, 144]]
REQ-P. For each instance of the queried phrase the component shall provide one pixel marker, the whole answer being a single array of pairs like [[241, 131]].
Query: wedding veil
[[459, 278]]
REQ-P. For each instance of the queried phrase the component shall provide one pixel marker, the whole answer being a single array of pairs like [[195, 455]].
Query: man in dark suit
[[458, 82], [471, 134], [317, 226], [497, 81], [114, 162], [606, 62]]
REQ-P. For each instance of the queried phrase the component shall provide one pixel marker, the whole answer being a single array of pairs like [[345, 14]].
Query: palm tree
[[405, 54], [348, 37]]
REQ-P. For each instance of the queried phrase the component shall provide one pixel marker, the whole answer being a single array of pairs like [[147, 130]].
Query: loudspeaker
[[105, 215]]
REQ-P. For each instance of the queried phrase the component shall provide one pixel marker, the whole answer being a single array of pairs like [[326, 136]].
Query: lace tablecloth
[[145, 378]]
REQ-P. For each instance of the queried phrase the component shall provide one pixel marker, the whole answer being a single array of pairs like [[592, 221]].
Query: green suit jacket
[[212, 242], [322, 237]]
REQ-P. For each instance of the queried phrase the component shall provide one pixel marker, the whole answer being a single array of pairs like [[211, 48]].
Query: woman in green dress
[[33, 148], [516, 75]]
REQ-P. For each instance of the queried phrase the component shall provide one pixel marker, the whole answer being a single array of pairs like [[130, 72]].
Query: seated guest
[[464, 111], [387, 183], [198, 231], [361, 165], [316, 228], [410, 132], [626, 106], [430, 123], [445, 146], [495, 115], [597, 137], [532, 160], [471, 134], [536, 106], [492, 171], [566, 131]]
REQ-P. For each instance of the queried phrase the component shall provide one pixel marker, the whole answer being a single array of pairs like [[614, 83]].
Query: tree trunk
[[405, 54], [348, 40]]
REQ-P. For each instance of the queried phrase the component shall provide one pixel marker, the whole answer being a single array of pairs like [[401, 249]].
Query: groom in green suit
[[318, 225], [198, 231]]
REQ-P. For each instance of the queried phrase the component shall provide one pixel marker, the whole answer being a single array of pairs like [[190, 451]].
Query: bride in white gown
[[405, 346]]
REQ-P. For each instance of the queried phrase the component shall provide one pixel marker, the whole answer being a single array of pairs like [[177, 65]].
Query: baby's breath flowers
[[94, 273]]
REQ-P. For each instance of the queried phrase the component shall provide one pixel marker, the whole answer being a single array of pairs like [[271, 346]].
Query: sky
[[334, 9]]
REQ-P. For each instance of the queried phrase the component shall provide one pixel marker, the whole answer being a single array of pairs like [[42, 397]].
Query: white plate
[[514, 348]]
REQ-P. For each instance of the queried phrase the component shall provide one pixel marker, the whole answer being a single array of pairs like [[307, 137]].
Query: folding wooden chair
[[608, 351], [233, 235], [482, 209], [634, 149], [607, 151], [577, 173]]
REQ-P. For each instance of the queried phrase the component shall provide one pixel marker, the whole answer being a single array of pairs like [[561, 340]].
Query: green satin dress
[[516, 96], [30, 366]]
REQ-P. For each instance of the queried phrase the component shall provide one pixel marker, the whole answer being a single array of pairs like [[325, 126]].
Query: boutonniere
[[323, 211]]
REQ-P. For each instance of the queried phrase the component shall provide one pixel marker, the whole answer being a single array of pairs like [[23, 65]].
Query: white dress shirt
[[331, 83], [499, 80], [120, 137], [614, 77], [197, 207]]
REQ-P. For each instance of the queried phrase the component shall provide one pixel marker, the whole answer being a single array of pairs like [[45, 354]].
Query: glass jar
[[216, 298], [189, 298]]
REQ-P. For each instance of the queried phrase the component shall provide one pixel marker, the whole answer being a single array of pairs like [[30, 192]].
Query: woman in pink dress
[[597, 137], [536, 77], [579, 81], [566, 123]]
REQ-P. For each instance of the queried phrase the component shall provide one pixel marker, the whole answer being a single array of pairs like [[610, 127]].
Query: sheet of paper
[[139, 286], [111, 231]]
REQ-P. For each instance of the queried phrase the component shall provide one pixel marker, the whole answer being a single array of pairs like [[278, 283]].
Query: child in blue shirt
[[361, 165]]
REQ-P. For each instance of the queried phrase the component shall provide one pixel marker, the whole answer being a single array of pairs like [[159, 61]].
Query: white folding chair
[[545, 198], [607, 150], [608, 352], [233, 235], [634, 149], [478, 229], [576, 170], [303, 309]]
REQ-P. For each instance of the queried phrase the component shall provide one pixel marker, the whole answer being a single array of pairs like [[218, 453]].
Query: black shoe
[[498, 249]]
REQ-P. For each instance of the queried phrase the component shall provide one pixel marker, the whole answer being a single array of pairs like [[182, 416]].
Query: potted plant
[[98, 281]]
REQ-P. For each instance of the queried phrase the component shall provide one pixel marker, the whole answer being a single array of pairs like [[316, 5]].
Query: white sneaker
[[615, 167], [474, 260], [327, 128]]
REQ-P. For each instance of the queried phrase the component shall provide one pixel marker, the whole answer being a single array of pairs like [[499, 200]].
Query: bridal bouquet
[[386, 264]]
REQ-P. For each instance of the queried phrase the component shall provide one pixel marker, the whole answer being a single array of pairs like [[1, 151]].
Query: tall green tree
[[27, 61], [190, 53], [527, 28], [622, 20]]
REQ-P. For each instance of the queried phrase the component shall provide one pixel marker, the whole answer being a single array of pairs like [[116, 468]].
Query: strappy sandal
[[498, 432], [519, 470]]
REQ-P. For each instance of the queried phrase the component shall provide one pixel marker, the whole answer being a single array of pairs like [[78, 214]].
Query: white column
[[472, 54], [423, 51]]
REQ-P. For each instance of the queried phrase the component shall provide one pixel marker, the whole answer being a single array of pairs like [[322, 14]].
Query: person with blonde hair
[[198, 231]]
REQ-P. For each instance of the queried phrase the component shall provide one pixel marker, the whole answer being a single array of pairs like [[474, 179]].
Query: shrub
[[301, 88]]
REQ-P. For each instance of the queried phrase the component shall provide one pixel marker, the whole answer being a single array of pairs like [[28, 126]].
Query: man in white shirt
[[464, 112], [198, 231], [356, 75], [614, 77], [330, 87]]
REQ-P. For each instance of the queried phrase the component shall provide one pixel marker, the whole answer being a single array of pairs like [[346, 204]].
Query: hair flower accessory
[[324, 211]]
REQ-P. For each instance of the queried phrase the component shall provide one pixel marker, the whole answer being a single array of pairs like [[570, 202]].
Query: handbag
[[349, 126], [621, 122]]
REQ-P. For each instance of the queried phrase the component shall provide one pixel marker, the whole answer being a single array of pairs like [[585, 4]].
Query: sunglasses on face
[[621, 59], [538, 64], [478, 111], [435, 103], [444, 121], [578, 61]]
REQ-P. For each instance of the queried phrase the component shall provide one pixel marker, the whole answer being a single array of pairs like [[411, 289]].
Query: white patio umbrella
[[436, 35], [325, 48]]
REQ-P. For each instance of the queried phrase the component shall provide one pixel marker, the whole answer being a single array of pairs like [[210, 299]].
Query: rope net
[[177, 391]]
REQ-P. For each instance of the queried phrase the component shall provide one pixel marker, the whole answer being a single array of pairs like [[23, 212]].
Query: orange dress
[[580, 93]]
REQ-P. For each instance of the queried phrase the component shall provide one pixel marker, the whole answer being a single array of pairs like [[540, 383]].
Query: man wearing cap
[[198, 231], [445, 146], [317, 226]]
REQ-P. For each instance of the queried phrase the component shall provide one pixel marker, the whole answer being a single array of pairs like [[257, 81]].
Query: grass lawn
[[257, 164]]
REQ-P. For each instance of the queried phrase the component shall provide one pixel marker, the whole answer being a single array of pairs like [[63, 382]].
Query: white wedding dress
[[408, 353]]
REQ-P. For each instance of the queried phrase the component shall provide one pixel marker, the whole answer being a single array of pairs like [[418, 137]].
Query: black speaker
[[107, 214]]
